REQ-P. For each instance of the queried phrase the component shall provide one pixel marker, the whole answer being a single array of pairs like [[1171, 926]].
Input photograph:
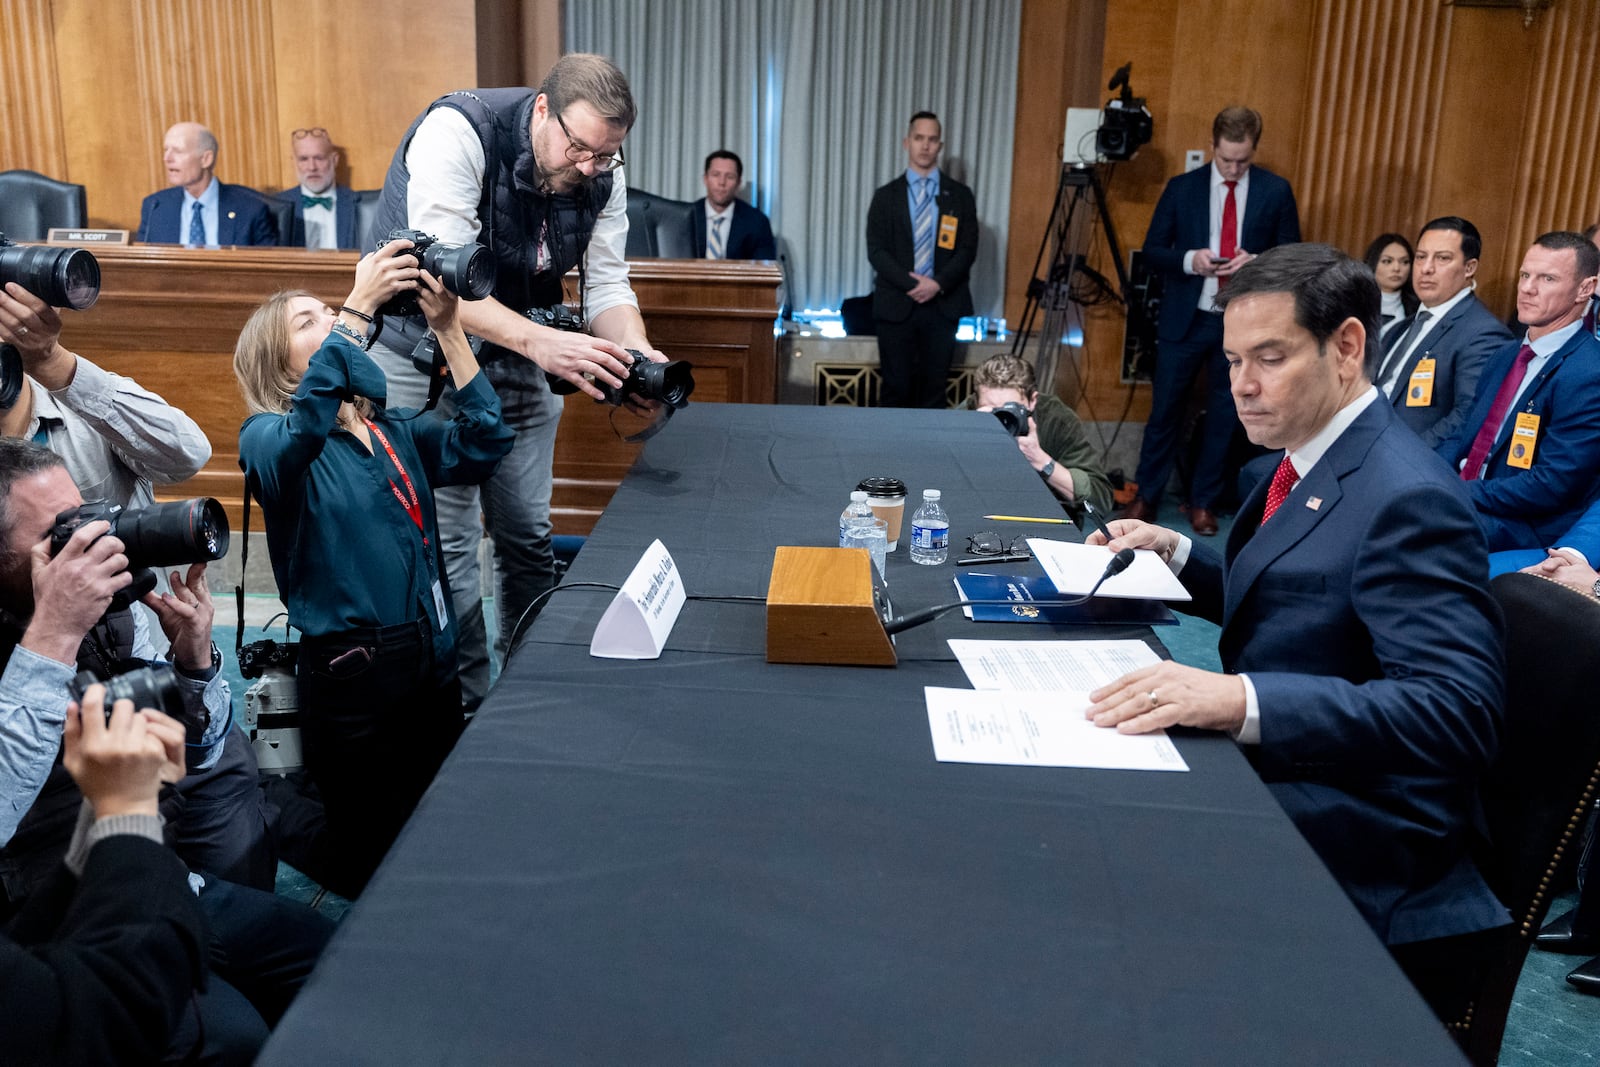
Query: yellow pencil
[[1025, 518]]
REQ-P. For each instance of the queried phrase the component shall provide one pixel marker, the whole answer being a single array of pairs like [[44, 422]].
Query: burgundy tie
[[1228, 241], [1483, 444], [1283, 480]]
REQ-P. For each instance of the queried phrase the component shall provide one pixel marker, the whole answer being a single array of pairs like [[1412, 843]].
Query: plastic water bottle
[[930, 531], [857, 511]]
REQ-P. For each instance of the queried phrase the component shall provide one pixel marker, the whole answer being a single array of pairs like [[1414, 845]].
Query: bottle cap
[[930, 494], [858, 496]]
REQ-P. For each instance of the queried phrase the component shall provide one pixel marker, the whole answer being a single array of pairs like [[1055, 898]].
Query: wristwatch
[[1596, 589], [1047, 470]]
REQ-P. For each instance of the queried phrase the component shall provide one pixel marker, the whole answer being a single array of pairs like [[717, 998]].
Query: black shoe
[[1557, 936], [1587, 977]]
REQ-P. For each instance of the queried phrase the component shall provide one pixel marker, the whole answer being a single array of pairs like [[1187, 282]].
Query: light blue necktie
[[922, 229], [197, 227], [715, 248]]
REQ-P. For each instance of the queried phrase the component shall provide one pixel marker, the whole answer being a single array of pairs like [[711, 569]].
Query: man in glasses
[[535, 176], [324, 211]]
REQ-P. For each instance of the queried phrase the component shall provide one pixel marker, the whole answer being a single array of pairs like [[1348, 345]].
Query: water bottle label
[[931, 537]]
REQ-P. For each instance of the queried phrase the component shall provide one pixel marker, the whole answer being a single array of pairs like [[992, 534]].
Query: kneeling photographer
[[347, 494], [1048, 433]]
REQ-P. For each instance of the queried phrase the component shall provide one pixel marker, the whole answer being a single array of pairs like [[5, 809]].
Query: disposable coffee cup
[[887, 499]]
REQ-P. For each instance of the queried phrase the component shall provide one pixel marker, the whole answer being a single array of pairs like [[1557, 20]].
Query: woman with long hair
[[1389, 259]]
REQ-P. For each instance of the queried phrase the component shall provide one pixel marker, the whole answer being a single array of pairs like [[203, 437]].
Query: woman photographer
[[346, 490], [1055, 445]]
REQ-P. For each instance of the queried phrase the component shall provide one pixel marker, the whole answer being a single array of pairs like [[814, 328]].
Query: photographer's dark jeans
[[375, 725]]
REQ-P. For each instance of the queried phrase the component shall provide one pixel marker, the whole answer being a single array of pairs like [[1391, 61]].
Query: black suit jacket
[[1182, 221], [344, 217], [891, 250], [242, 217], [1460, 345], [749, 234]]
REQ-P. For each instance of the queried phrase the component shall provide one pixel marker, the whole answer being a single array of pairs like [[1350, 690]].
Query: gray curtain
[[815, 96]]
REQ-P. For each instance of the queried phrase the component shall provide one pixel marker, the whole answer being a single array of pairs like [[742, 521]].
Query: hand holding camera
[[467, 270], [382, 275], [642, 382], [73, 585], [186, 614], [119, 756]]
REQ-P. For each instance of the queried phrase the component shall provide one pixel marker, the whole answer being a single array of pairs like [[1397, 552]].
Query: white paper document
[[1037, 729], [1080, 666], [1074, 568]]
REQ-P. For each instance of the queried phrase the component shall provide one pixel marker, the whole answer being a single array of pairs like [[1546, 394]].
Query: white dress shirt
[[322, 229], [1219, 197], [209, 202], [726, 215], [1400, 359]]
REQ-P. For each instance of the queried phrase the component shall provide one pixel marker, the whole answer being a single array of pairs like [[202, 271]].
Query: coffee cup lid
[[883, 486]]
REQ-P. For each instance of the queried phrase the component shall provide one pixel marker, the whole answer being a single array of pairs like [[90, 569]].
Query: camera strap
[[413, 506], [244, 562]]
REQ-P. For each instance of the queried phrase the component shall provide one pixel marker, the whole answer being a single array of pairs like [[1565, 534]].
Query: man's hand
[[1240, 258], [925, 289], [34, 328], [72, 591], [120, 764], [185, 615], [1567, 569], [1131, 533], [1169, 694], [439, 305]]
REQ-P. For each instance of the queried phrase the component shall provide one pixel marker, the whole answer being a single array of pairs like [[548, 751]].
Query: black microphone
[[1119, 563]]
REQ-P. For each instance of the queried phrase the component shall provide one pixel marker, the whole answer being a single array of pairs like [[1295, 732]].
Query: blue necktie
[[922, 230], [197, 228]]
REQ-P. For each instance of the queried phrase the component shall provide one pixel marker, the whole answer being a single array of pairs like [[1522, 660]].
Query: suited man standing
[[1529, 448], [198, 211], [721, 226], [1432, 360], [1208, 223], [1361, 649], [922, 238], [324, 213]]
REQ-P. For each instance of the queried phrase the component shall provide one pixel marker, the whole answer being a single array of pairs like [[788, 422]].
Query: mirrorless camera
[[1014, 417], [148, 685], [61, 277], [670, 382], [466, 270], [161, 535]]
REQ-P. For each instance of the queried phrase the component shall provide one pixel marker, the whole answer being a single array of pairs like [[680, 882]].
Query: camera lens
[[671, 382], [466, 270], [61, 277], [186, 531]]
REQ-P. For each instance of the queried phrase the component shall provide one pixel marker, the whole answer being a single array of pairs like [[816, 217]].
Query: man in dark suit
[[1432, 360], [324, 213], [198, 211], [1207, 224], [922, 237], [721, 226], [1361, 649], [1529, 449]]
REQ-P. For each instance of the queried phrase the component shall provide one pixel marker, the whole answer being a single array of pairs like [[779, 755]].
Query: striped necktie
[[714, 250], [922, 229], [197, 227]]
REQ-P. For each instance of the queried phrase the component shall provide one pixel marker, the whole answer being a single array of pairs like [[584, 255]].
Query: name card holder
[[642, 614], [59, 235]]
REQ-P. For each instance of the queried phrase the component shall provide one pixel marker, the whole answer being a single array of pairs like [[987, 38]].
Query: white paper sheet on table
[[1050, 665], [1030, 728], [1074, 568]]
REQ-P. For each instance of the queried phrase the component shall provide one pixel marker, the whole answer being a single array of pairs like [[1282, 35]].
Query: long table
[[707, 858]]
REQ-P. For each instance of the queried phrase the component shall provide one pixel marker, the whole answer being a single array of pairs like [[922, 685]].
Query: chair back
[[31, 204], [367, 219], [1544, 781], [657, 227]]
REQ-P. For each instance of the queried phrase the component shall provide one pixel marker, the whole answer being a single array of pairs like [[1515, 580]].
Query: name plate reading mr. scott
[[61, 236], [641, 615]]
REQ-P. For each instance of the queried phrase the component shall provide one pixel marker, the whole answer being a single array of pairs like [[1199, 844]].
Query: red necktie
[[1484, 442], [1283, 480], [1228, 240]]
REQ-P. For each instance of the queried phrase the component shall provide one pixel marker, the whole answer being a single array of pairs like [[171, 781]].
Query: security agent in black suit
[[746, 233], [916, 311]]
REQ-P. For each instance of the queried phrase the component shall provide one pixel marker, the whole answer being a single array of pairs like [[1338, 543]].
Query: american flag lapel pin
[[1314, 503]]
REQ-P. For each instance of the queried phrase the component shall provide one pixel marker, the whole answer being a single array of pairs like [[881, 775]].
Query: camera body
[[259, 657], [466, 270], [148, 685], [670, 382], [1014, 417], [161, 535]]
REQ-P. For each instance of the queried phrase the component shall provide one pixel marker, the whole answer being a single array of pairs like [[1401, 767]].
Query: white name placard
[[641, 615]]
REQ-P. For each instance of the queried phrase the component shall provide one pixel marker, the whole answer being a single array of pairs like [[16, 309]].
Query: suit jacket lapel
[[1531, 393], [1432, 342]]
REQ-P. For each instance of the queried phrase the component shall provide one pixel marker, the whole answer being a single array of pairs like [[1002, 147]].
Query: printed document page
[[1074, 568], [1037, 729], [1080, 666]]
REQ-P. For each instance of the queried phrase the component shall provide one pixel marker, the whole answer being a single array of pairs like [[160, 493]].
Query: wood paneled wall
[[1383, 113]]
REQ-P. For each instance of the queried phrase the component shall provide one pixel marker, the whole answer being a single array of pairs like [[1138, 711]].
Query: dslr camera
[[259, 657], [1014, 417], [670, 382], [161, 535], [466, 270], [148, 685], [61, 277]]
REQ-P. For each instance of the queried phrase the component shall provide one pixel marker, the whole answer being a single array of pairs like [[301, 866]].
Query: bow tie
[[316, 201]]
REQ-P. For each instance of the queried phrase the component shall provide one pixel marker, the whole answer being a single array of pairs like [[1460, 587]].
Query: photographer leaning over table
[[1055, 444], [346, 491]]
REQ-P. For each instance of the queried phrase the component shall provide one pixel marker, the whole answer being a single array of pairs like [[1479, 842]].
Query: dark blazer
[[1361, 614], [749, 234], [891, 250], [1182, 221], [1459, 344], [98, 971], [242, 217], [1532, 508], [344, 218]]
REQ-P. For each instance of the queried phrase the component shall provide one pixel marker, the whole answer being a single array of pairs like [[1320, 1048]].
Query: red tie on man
[[1484, 442], [1283, 480], [1228, 241]]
